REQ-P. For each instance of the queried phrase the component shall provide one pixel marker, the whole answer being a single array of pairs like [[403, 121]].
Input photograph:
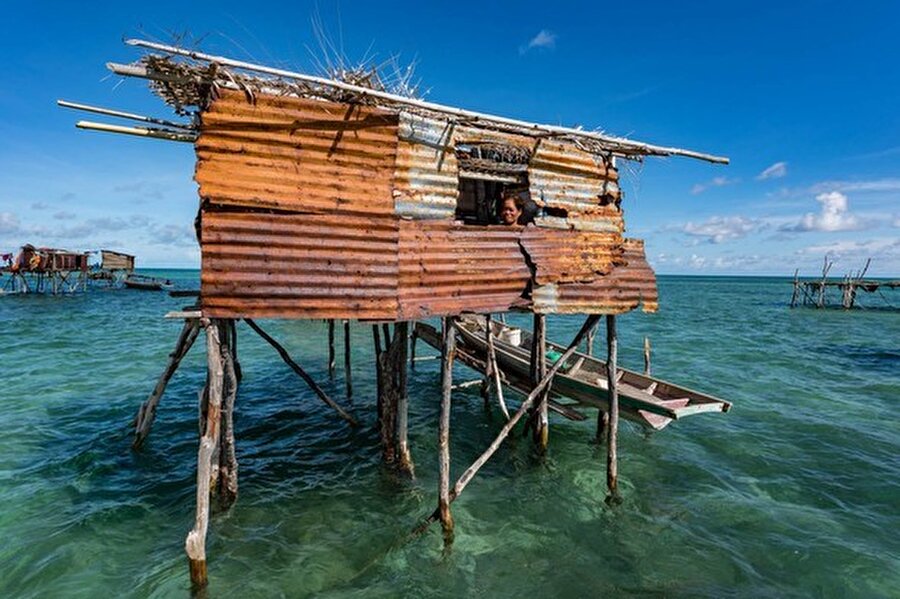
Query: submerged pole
[[448, 353], [195, 544], [542, 423], [348, 379], [612, 469], [331, 348], [401, 335], [647, 356]]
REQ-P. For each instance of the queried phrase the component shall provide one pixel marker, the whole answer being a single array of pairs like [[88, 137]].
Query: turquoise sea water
[[796, 492]]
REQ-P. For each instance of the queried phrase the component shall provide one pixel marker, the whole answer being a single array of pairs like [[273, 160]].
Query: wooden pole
[[147, 412], [296, 368], [448, 353], [401, 335], [470, 472], [796, 288], [647, 356], [413, 338], [542, 423], [590, 342], [495, 368], [331, 348], [348, 378], [228, 465], [195, 544], [612, 472]]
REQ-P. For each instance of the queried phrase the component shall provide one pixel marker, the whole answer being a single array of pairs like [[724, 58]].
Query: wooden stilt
[[228, 466], [405, 463], [796, 288], [448, 354], [147, 412], [195, 544], [542, 422], [470, 472], [612, 471], [590, 342], [331, 349], [234, 352], [296, 368], [413, 338], [494, 368], [647, 356], [348, 379]]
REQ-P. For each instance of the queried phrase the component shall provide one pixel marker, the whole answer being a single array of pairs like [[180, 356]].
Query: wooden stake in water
[[542, 423], [448, 353], [647, 356], [612, 469], [401, 335], [331, 349]]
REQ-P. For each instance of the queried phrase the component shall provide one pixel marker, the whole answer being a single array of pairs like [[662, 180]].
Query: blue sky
[[802, 96]]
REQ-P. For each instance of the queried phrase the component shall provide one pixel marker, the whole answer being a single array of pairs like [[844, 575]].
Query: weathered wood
[[493, 368], [473, 469], [195, 543], [147, 412], [448, 353], [796, 287], [348, 378], [228, 465], [647, 356], [331, 349], [404, 463], [296, 368], [612, 468], [539, 349], [414, 337]]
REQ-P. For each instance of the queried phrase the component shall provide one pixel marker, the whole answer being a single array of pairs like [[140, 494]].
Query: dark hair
[[515, 195]]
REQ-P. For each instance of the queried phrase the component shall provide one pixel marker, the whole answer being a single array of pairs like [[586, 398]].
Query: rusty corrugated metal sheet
[[448, 268], [565, 256], [296, 154], [561, 175], [624, 289], [426, 179], [258, 264]]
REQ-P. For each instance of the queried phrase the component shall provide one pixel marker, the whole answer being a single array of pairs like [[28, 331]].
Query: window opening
[[488, 173]]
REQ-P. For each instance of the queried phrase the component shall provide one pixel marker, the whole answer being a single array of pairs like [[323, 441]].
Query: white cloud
[[719, 229], [544, 39], [897, 222], [833, 216], [887, 184], [714, 182], [776, 171], [9, 223], [882, 247]]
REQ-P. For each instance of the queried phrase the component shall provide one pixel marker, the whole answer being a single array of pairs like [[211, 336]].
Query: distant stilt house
[[44, 270], [114, 267], [325, 199]]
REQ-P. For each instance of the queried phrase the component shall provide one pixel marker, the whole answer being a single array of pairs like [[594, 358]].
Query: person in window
[[514, 208]]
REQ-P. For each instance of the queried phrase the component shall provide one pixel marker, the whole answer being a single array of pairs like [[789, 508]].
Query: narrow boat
[[147, 283], [649, 401]]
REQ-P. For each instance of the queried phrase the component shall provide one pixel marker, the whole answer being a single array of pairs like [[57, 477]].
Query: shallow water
[[795, 492]]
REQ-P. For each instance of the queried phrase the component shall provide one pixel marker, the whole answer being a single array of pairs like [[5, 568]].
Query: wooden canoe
[[649, 401], [147, 283]]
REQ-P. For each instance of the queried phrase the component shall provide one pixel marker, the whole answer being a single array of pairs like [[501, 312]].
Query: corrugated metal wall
[[426, 179], [563, 176], [446, 268], [564, 256]]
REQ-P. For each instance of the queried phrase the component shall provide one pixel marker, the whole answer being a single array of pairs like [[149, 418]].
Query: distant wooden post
[[448, 354], [796, 288], [195, 544], [539, 350], [612, 469], [347, 372], [331, 349], [401, 335], [647, 356], [825, 268]]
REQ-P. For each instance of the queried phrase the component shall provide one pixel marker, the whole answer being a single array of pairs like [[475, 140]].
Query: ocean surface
[[794, 493]]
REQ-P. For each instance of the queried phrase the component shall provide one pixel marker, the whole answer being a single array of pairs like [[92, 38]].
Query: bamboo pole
[[448, 353], [147, 412], [296, 368], [401, 335], [152, 132], [618, 145], [331, 348], [612, 384], [473, 469], [195, 543], [125, 115], [348, 378]]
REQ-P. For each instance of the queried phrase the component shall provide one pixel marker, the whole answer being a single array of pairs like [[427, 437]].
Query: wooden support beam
[[405, 463], [796, 288], [228, 465], [302, 373], [147, 412], [539, 349], [195, 544], [612, 382], [331, 348], [414, 337], [448, 353], [348, 378], [647, 356], [492, 370]]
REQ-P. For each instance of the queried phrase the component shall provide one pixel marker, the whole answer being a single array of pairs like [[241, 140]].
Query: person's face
[[509, 212]]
